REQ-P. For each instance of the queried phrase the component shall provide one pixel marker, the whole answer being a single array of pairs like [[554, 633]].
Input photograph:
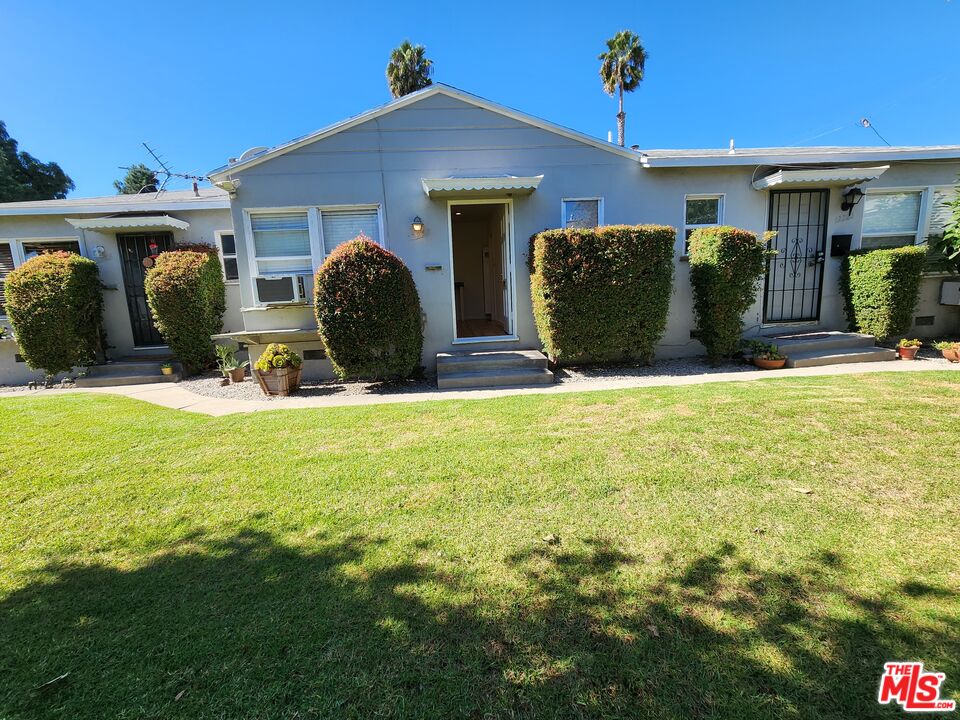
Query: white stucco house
[[454, 185]]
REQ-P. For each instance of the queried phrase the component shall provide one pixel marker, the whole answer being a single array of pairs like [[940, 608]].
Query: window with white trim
[[582, 212], [6, 266], [700, 211], [228, 255], [340, 226], [891, 219], [288, 245]]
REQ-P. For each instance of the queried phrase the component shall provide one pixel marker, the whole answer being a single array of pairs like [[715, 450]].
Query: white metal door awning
[[480, 186], [818, 177], [129, 222]]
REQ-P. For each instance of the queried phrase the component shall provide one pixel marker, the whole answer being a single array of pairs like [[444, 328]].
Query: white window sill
[[280, 306]]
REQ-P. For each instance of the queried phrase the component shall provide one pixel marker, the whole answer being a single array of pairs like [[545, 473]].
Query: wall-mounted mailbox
[[433, 268], [840, 245]]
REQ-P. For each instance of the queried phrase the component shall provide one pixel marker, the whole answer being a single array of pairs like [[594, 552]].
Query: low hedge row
[[726, 265], [368, 313], [187, 298], [881, 288], [55, 305], [602, 293]]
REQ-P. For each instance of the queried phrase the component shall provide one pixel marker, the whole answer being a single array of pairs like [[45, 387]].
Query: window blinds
[[6, 266], [280, 235], [340, 226], [891, 213]]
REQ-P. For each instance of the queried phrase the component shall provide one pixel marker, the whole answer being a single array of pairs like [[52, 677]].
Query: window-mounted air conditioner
[[281, 289]]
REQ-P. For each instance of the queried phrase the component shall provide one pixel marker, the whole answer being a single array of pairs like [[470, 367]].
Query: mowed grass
[[731, 550]]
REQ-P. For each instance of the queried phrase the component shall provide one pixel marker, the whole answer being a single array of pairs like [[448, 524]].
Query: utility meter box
[[950, 292]]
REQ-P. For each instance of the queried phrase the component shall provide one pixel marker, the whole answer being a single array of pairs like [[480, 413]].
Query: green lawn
[[730, 550]]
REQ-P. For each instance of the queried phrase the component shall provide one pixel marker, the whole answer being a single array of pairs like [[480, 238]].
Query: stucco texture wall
[[203, 226]]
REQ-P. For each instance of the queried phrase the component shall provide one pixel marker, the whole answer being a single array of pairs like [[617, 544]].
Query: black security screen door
[[133, 249], [795, 275]]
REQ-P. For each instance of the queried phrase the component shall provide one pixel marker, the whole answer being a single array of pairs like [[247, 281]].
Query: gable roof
[[205, 199], [436, 89]]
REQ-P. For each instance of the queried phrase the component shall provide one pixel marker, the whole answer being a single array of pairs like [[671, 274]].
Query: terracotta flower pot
[[279, 381], [951, 355], [907, 353], [238, 374], [769, 364]]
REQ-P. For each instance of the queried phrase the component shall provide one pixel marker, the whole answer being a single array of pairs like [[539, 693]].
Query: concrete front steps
[[127, 372], [830, 348], [496, 368]]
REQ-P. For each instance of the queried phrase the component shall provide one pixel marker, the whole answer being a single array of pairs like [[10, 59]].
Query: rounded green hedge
[[187, 297], [726, 265], [55, 305], [368, 313], [881, 287], [602, 293]]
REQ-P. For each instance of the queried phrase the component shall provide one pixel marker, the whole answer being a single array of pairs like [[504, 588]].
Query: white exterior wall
[[15, 229]]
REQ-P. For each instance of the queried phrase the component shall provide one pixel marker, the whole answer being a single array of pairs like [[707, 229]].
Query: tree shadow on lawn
[[252, 628]]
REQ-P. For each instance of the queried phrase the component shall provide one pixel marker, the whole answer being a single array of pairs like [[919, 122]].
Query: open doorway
[[482, 269]]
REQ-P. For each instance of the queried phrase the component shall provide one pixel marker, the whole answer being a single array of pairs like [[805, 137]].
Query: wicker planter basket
[[279, 381]]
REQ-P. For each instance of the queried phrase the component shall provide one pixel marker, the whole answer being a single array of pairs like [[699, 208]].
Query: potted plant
[[949, 350], [907, 349], [228, 364], [766, 356], [167, 368], [278, 370]]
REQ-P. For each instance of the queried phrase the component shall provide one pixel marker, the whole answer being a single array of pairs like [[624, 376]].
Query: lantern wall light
[[417, 227], [851, 198]]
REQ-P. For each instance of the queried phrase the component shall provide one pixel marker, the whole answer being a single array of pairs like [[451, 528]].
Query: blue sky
[[205, 80]]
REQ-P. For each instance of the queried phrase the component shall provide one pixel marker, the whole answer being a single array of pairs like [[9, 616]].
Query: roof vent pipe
[[733, 150], [609, 136]]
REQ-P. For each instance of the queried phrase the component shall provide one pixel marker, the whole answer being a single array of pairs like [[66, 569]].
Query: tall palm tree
[[408, 70], [621, 68]]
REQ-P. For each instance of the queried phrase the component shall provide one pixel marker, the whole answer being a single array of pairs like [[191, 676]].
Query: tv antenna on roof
[[865, 122], [167, 173]]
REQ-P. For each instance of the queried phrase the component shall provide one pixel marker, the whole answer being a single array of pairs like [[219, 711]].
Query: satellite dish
[[252, 152]]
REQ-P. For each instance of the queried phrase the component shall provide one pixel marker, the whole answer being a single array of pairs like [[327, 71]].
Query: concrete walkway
[[175, 397]]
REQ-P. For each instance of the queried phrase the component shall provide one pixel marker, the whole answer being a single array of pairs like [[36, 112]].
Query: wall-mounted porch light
[[851, 198], [417, 227]]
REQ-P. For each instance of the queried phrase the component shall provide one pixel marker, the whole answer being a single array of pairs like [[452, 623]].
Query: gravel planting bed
[[209, 386], [660, 368]]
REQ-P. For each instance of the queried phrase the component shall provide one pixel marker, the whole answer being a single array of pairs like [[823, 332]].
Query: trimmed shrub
[[187, 297], [55, 305], [726, 265], [602, 293], [368, 313], [881, 287]]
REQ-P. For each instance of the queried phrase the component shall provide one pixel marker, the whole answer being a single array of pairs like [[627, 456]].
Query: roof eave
[[94, 209], [797, 159]]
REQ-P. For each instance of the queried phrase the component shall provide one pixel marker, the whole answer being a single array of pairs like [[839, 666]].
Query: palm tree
[[408, 70], [621, 68]]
